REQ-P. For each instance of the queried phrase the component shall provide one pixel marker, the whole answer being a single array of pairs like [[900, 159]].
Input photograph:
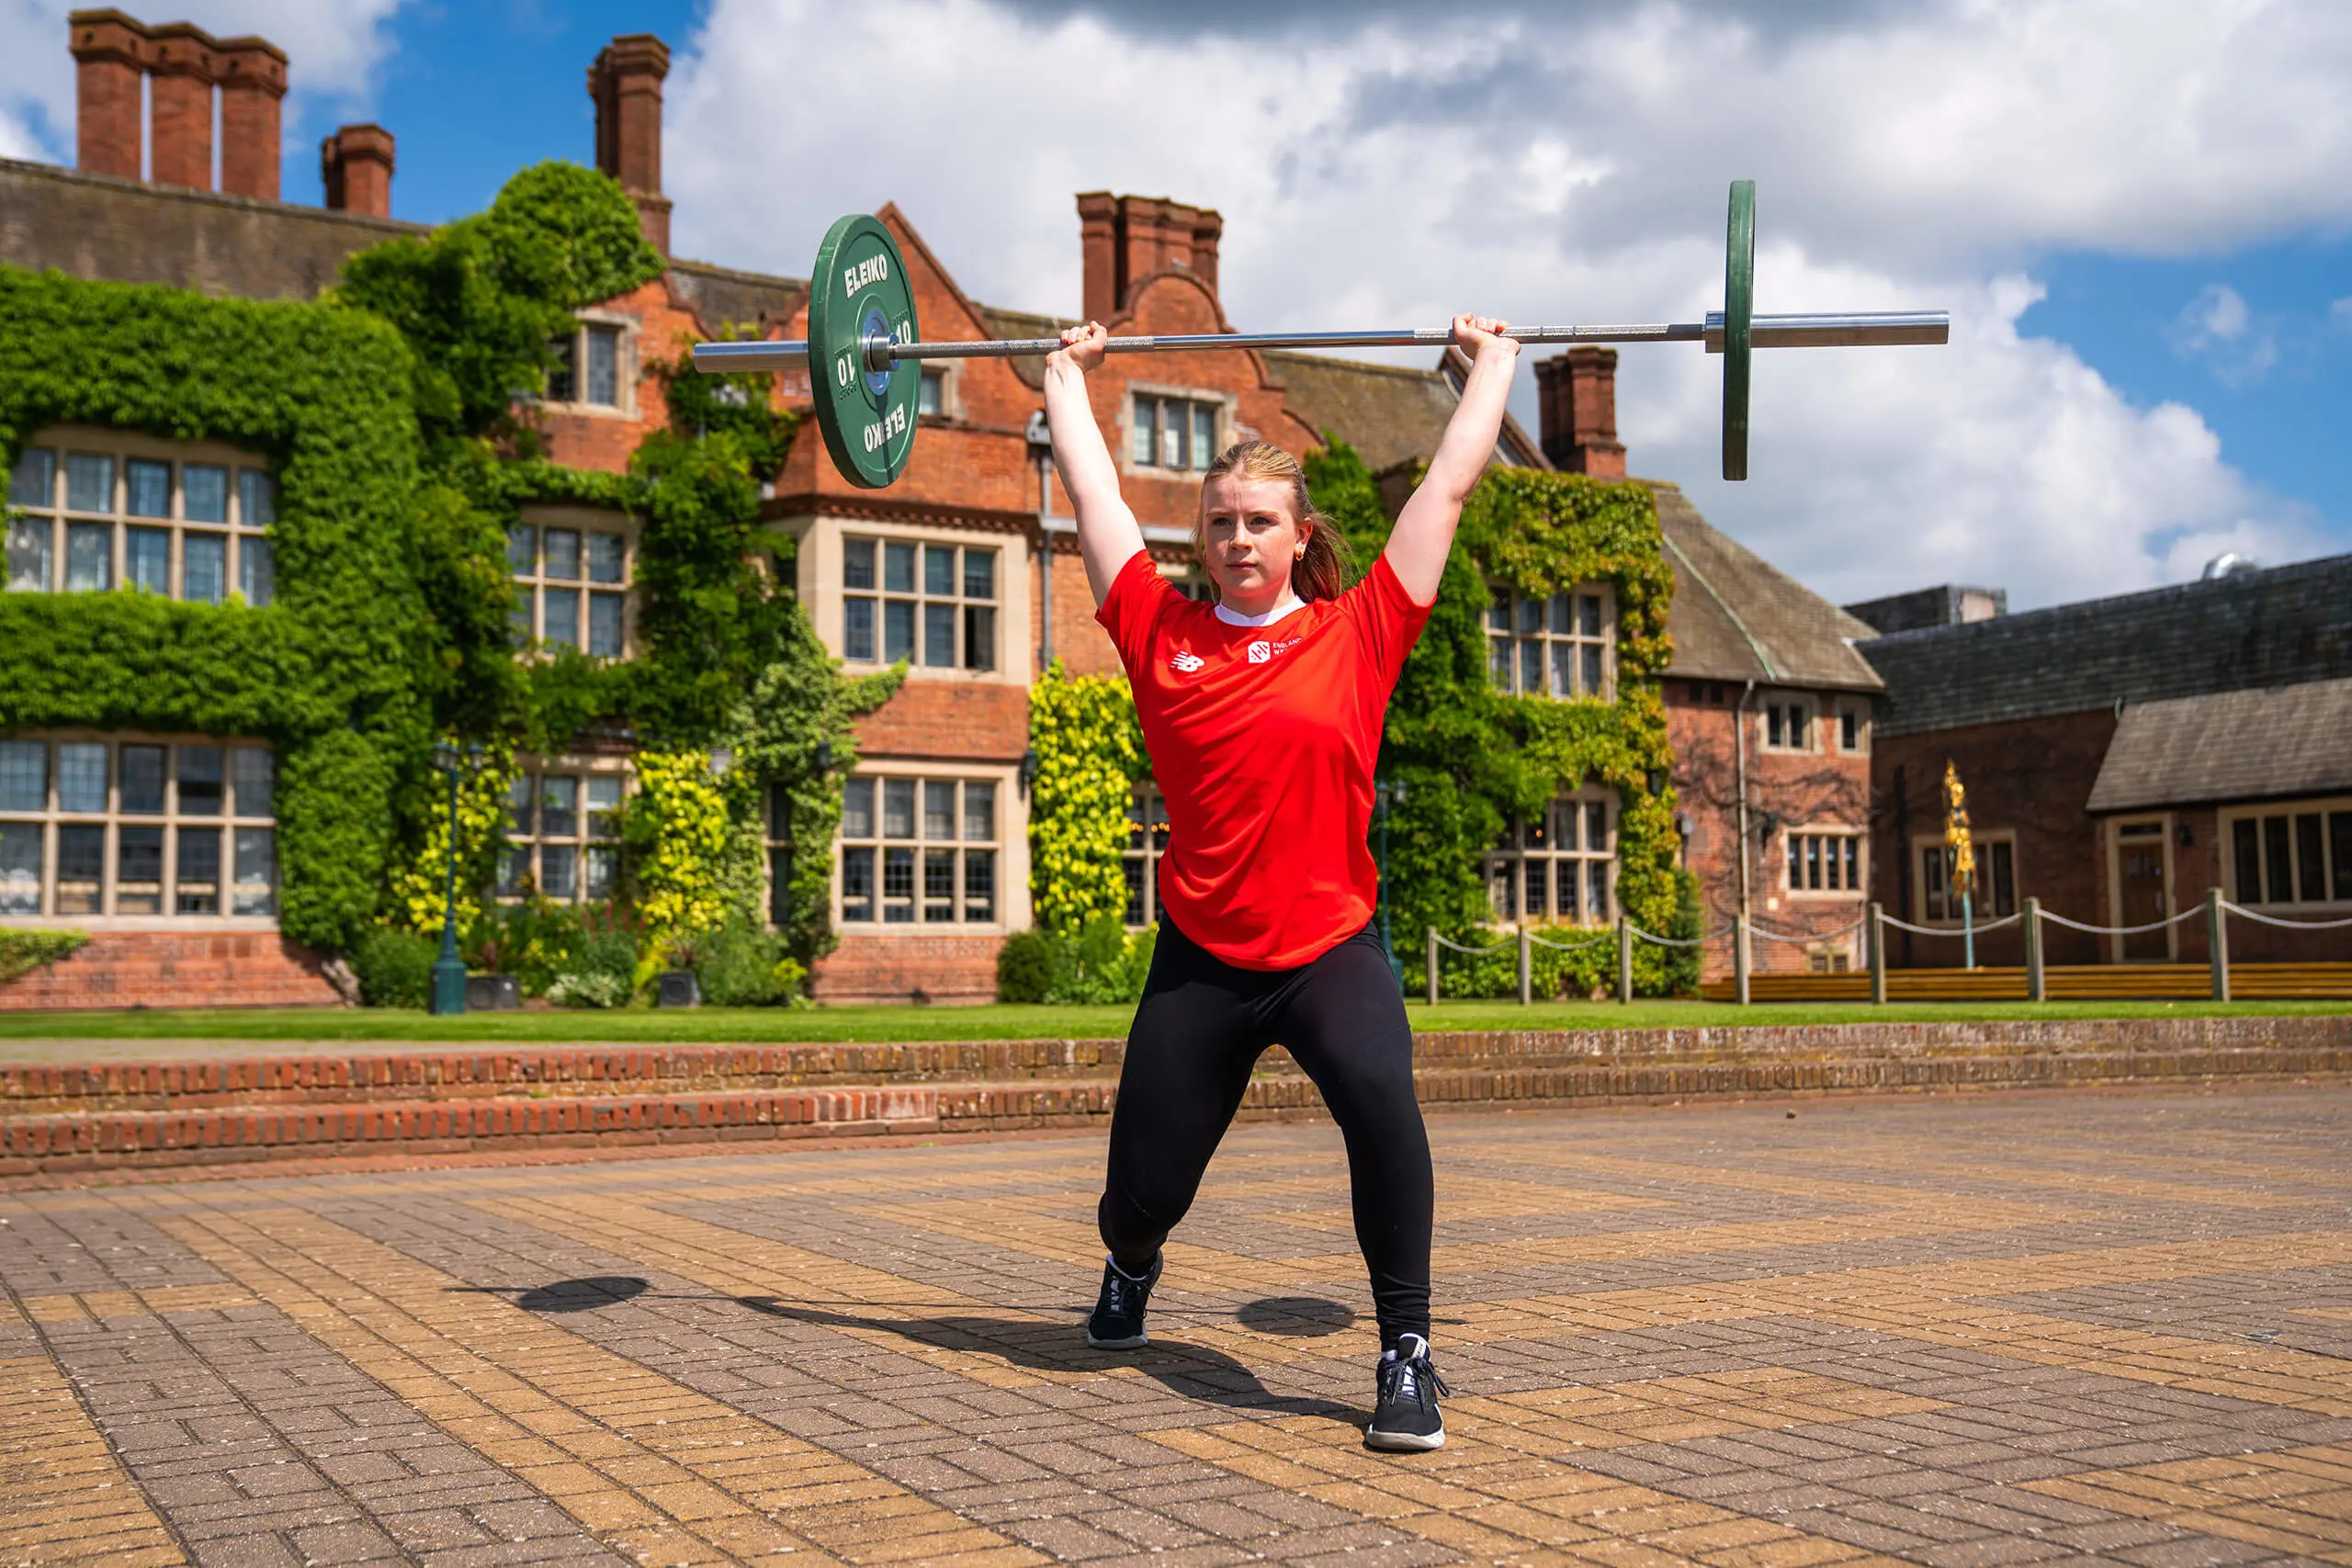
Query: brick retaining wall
[[258, 1109], [174, 969]]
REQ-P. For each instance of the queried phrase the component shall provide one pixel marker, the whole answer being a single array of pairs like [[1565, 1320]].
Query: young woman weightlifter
[[1263, 714]]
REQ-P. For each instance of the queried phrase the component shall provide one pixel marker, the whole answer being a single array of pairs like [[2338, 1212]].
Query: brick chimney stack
[[1577, 397], [180, 73], [253, 87], [110, 54], [1126, 239], [356, 165], [625, 85]]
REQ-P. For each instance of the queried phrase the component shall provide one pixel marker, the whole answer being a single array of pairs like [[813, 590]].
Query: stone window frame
[[879, 596], [627, 366], [246, 549], [1558, 627], [945, 373], [880, 775], [1225, 415], [2331, 857], [524, 865], [1519, 849], [1772, 715], [231, 821], [1147, 846], [533, 589], [1856, 716], [1991, 845], [1851, 870]]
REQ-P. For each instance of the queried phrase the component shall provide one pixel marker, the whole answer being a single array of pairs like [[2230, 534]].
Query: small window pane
[[24, 775], [2279, 869], [898, 886], [1175, 430], [779, 888], [939, 571], [1564, 670], [857, 563], [20, 868], [599, 869], [857, 809], [204, 568], [89, 482], [203, 781], [1498, 611], [1531, 664], [204, 493], [1589, 614], [898, 808], [1775, 727], [1849, 731], [1531, 614], [89, 556], [938, 635], [2311, 867], [2004, 877], [563, 555], [256, 889], [559, 806], [138, 870], [196, 878], [33, 482], [1592, 681], [857, 884], [563, 381], [256, 782], [979, 574], [147, 488], [1498, 662], [2247, 853], [514, 871], [938, 886], [604, 367], [927, 395], [560, 870], [82, 775], [605, 624], [1203, 436], [257, 571], [979, 637], [30, 543], [1502, 889], [1796, 865], [1596, 827], [81, 869], [1597, 891], [519, 813], [257, 497], [2339, 844], [606, 558], [938, 809], [147, 559], [603, 806], [897, 568], [1563, 620], [857, 629], [142, 780], [1147, 432], [1539, 886], [979, 812], [523, 550], [898, 630], [980, 884], [562, 611]]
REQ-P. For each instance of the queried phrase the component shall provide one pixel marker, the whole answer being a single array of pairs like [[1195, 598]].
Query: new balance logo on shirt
[[1188, 662]]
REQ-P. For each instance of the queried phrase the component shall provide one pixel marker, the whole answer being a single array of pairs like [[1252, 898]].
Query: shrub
[[394, 968], [1026, 966], [1103, 964], [742, 966], [534, 941], [590, 988], [21, 952]]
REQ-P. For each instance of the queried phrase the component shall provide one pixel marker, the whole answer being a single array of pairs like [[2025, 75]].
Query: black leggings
[[1199, 1031]]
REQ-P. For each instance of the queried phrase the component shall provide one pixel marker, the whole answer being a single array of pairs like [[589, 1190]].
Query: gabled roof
[[2248, 745], [1735, 616], [2278, 628]]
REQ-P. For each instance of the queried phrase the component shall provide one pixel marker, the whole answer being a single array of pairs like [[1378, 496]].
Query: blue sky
[[2136, 209]]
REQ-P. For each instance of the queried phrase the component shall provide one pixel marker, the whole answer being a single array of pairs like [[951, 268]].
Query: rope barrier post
[[1739, 956], [2037, 982], [2217, 942], [1878, 954], [1526, 969], [1625, 958], [1432, 946]]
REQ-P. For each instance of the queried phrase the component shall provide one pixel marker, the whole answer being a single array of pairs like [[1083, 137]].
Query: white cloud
[[335, 50], [2220, 330]]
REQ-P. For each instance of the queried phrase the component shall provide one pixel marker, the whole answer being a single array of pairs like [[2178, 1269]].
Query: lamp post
[[448, 996], [1387, 794]]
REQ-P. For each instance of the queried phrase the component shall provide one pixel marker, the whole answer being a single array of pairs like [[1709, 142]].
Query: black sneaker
[[1408, 1420], [1117, 1321]]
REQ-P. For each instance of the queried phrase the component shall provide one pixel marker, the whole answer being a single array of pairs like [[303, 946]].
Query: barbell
[[862, 331]]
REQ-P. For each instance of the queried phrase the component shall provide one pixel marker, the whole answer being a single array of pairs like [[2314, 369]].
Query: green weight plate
[[1739, 312], [859, 286]]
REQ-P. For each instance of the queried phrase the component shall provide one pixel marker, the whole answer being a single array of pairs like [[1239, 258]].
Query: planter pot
[[678, 988], [493, 993]]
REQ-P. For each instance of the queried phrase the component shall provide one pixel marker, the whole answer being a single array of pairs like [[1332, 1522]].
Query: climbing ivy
[[1089, 754]]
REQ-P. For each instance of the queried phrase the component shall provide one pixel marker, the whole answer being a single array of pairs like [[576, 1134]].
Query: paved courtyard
[[1951, 1331]]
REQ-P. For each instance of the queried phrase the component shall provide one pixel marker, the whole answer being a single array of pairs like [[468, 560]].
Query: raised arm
[[1108, 536], [1423, 536]]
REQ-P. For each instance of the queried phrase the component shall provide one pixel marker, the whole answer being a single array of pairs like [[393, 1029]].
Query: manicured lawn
[[1000, 1022]]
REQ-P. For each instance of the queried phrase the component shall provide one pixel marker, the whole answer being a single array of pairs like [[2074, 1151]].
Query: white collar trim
[[1235, 618]]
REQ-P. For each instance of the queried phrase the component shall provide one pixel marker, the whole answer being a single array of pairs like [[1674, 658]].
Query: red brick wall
[[871, 968], [984, 720], [169, 969]]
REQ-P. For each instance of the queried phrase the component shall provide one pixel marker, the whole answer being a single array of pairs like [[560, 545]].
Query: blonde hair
[[1324, 570]]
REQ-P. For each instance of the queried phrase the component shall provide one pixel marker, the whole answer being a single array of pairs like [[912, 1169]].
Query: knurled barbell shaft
[[1840, 330]]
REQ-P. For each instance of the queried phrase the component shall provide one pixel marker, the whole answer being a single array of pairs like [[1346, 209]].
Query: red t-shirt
[[1263, 740]]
